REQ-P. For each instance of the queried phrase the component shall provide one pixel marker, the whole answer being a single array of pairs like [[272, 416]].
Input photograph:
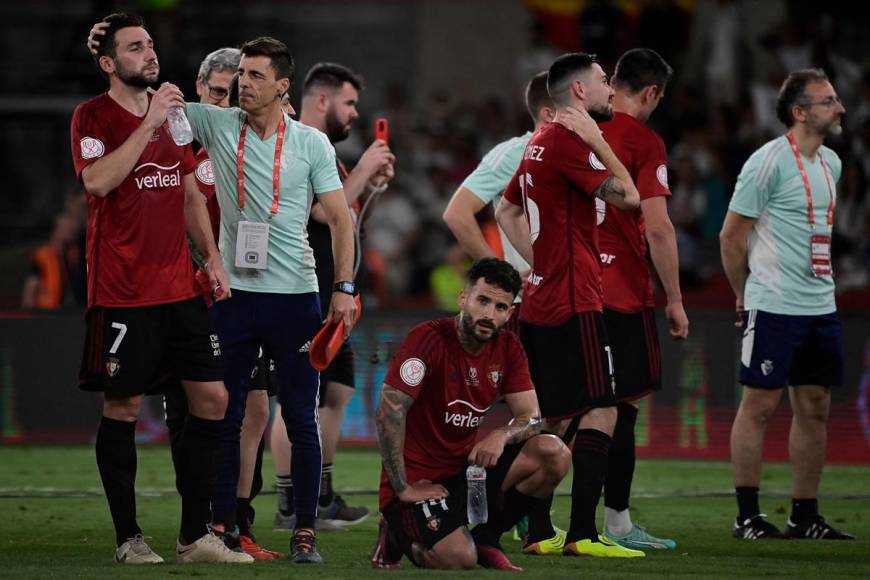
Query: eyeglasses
[[217, 93], [828, 103]]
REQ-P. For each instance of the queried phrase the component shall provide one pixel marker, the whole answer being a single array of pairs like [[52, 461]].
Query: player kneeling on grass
[[446, 375]]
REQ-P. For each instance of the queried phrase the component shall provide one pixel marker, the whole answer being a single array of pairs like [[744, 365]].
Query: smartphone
[[382, 131]]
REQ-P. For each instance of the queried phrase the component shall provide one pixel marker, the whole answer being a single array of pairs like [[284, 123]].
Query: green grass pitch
[[48, 533]]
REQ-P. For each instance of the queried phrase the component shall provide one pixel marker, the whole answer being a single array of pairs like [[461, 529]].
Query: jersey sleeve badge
[[91, 147], [412, 371]]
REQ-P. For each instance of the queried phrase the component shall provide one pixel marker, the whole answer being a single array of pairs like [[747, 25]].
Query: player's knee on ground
[[551, 455], [126, 409], [455, 552], [208, 400]]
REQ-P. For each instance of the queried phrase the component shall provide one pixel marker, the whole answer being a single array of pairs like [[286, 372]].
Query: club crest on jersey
[[595, 162], [662, 175], [91, 147], [412, 371], [113, 366], [204, 172], [494, 374]]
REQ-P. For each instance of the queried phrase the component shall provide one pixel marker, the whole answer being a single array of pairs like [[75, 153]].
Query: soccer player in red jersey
[[145, 319], [549, 214], [639, 82], [444, 377]]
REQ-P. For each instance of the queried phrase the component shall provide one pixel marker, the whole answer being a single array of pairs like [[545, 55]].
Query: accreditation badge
[[820, 254], [252, 245]]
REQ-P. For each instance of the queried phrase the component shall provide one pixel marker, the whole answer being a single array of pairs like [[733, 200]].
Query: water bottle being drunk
[[477, 508], [179, 126]]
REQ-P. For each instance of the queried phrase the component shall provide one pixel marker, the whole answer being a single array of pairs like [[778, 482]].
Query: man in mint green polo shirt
[[775, 246], [267, 169], [487, 182]]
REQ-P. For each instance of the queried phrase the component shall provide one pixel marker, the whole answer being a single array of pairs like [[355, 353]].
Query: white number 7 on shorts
[[122, 328]]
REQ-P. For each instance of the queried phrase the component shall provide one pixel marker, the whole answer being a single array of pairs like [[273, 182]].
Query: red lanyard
[[276, 167], [800, 164]]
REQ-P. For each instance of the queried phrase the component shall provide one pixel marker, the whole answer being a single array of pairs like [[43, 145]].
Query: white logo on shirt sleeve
[[662, 175], [595, 163], [204, 172], [91, 147], [412, 371]]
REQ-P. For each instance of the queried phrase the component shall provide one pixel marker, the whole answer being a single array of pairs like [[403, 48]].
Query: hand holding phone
[[382, 130]]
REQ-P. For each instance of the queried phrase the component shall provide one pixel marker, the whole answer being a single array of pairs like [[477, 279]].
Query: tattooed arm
[[613, 191], [390, 420], [527, 416], [619, 189], [526, 423]]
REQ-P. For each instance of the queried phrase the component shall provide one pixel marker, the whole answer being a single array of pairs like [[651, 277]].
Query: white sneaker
[[209, 548], [136, 551]]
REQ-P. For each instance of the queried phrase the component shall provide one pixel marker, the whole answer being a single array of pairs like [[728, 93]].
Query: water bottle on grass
[[477, 508]]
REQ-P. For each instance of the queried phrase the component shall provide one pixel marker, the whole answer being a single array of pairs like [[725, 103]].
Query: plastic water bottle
[[179, 126], [477, 508]]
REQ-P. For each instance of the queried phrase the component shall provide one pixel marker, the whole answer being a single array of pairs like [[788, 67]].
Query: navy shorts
[[780, 350]]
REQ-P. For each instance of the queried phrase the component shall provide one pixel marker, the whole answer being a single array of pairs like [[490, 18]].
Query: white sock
[[616, 522]]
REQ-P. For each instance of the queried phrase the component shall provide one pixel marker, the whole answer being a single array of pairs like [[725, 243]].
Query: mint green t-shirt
[[770, 188], [491, 177], [307, 168]]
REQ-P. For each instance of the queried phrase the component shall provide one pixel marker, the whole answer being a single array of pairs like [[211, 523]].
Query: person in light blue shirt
[[268, 168], [486, 184], [775, 246]]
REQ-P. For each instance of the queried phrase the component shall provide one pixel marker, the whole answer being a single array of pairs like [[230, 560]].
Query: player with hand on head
[[549, 214]]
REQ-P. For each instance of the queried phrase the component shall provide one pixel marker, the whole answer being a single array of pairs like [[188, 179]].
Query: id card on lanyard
[[252, 238], [820, 242]]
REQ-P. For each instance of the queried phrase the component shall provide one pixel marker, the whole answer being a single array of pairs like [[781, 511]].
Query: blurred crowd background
[[448, 75]]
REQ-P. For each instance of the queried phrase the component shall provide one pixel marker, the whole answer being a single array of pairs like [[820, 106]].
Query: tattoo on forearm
[[610, 187], [521, 428], [390, 421]]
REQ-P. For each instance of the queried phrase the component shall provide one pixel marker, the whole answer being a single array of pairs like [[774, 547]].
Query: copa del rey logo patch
[[412, 371], [204, 172], [662, 175], [595, 162], [91, 147]]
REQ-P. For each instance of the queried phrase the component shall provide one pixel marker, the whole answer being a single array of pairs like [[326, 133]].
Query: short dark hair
[[278, 53], [563, 69], [331, 75], [793, 92], [639, 68], [108, 45], [537, 96], [496, 272]]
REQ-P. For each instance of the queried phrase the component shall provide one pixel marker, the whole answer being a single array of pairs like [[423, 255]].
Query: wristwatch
[[344, 286]]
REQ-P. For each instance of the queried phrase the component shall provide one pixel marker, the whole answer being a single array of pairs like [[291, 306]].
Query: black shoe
[[814, 529], [756, 528]]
